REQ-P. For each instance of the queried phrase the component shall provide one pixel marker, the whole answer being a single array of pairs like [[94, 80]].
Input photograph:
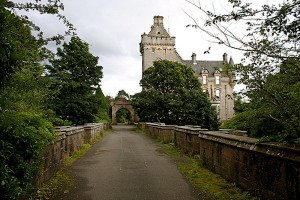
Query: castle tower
[[216, 80], [157, 44]]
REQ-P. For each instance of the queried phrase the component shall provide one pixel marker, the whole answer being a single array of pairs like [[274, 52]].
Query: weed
[[61, 182], [212, 185]]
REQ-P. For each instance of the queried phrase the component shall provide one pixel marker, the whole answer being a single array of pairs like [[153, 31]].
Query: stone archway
[[119, 103]]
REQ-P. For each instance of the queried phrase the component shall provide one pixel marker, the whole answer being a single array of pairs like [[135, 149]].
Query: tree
[[275, 113], [102, 105], [123, 94], [75, 75], [271, 31], [14, 45], [173, 95], [123, 115], [271, 50], [24, 129]]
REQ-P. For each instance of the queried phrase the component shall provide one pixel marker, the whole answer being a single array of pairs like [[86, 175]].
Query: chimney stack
[[158, 21], [225, 58], [194, 59]]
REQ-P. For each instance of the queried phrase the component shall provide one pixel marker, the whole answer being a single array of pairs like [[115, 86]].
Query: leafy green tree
[[103, 107], [24, 129], [76, 75], [123, 116], [173, 95], [15, 37], [275, 113], [123, 94], [269, 70]]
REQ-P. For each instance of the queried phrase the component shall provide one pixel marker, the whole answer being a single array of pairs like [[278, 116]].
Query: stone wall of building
[[159, 45], [154, 48], [69, 140], [267, 170]]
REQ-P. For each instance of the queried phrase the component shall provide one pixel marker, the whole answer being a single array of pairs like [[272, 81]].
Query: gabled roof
[[211, 66], [158, 31]]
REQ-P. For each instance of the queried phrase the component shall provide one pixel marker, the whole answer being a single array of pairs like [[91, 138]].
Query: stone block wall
[[69, 140], [267, 170], [164, 133]]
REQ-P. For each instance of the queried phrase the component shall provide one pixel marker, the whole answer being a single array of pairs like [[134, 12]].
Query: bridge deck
[[128, 165]]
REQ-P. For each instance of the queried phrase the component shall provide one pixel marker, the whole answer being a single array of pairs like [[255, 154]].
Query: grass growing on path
[[61, 182], [212, 185]]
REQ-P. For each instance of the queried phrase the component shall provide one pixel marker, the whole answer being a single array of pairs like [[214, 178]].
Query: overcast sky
[[113, 29]]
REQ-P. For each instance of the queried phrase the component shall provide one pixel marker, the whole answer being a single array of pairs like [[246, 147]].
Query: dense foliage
[[24, 129], [270, 69], [24, 137], [15, 47], [275, 113], [173, 95], [26, 111], [103, 107], [123, 115], [74, 73], [123, 94]]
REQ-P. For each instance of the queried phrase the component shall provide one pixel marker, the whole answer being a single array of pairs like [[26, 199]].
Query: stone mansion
[[214, 77]]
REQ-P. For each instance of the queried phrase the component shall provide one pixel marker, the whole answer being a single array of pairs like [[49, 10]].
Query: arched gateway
[[118, 104]]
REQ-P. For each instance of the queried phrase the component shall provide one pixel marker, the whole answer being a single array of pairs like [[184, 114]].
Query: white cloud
[[113, 29]]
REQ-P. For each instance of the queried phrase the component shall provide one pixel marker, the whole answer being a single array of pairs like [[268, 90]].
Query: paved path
[[127, 165]]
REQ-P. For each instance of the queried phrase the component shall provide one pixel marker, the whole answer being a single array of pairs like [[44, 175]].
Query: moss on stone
[[213, 186]]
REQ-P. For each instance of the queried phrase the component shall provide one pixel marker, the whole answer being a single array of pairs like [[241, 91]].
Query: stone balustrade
[[69, 140], [267, 170]]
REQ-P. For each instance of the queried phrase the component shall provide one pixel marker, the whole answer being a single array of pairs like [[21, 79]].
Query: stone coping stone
[[190, 130], [155, 124], [61, 127], [161, 126], [93, 124], [234, 132], [193, 126], [60, 136], [73, 130], [289, 152]]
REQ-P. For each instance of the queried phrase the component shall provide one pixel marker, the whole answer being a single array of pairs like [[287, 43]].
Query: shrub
[[24, 137]]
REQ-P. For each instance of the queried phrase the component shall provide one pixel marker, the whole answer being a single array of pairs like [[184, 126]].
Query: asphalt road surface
[[127, 165]]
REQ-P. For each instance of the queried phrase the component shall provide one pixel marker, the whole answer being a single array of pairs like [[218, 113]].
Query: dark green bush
[[23, 139]]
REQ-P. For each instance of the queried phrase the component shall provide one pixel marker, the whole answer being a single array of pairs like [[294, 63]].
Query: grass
[[213, 186], [61, 182]]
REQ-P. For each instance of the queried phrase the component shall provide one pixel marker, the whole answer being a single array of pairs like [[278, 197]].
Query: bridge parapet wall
[[69, 140], [267, 170]]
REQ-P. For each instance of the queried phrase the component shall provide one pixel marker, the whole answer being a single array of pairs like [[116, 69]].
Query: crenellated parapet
[[162, 41]]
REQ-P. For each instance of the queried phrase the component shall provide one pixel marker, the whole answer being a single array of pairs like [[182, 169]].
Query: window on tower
[[204, 80], [217, 93], [217, 77]]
